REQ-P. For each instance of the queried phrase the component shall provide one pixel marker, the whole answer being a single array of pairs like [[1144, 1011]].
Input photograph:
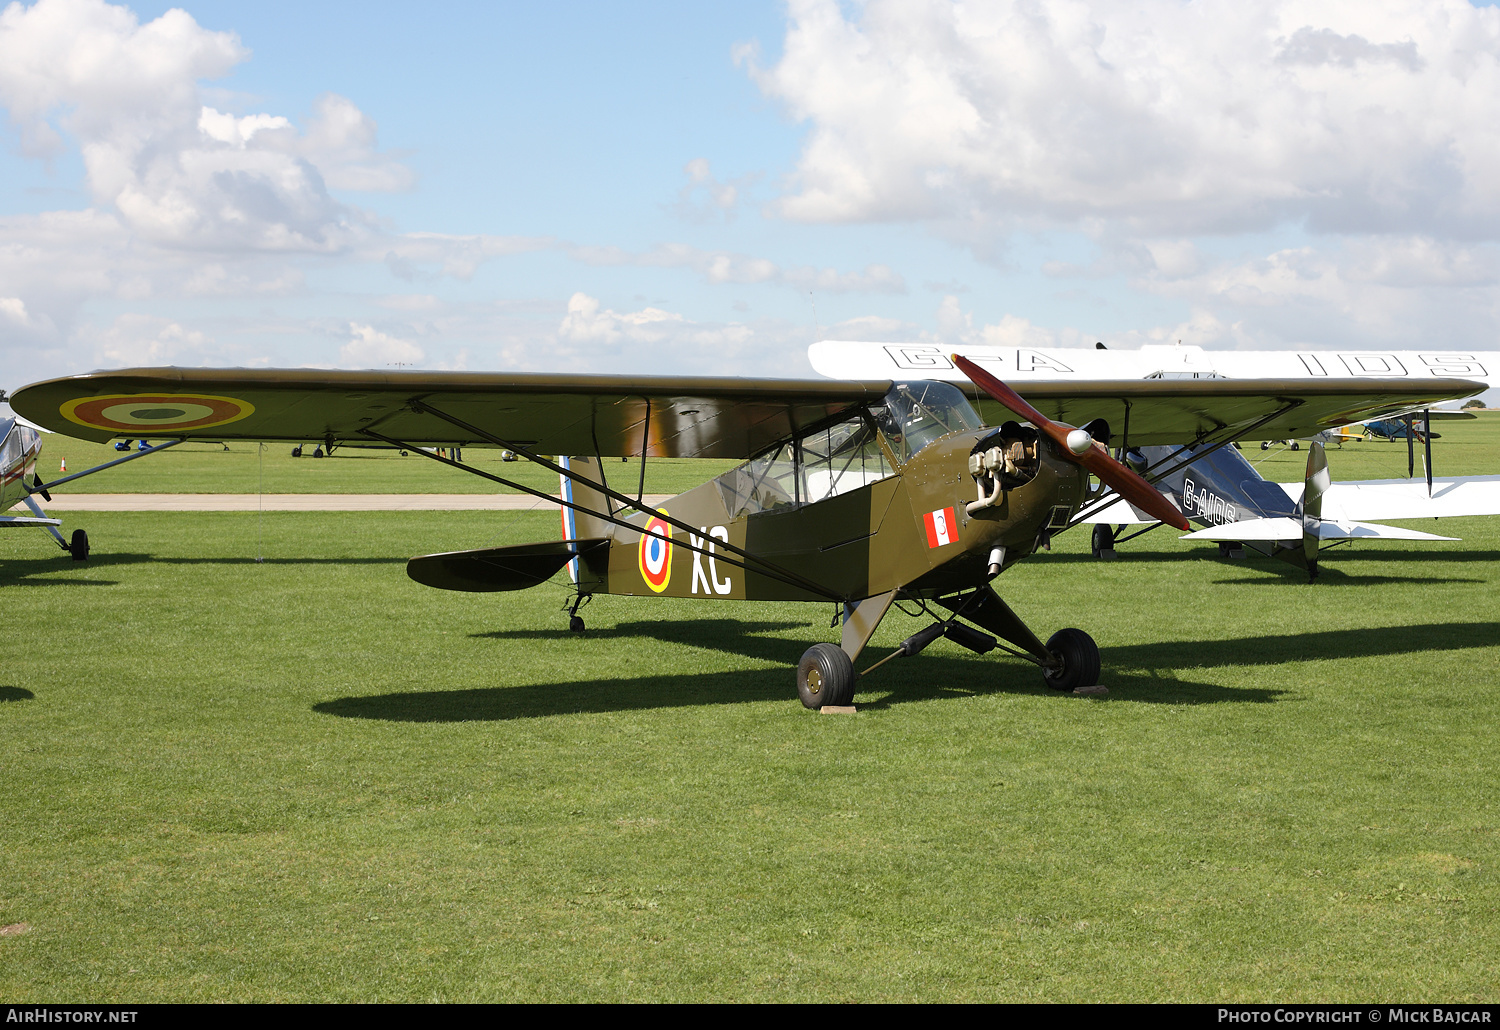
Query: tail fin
[[578, 525]]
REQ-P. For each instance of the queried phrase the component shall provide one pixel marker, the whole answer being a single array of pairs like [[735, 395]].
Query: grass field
[[312, 779]]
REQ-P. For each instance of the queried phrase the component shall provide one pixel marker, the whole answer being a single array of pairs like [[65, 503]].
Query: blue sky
[[681, 187]]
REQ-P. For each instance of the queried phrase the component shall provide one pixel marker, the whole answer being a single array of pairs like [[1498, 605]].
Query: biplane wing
[[679, 417]]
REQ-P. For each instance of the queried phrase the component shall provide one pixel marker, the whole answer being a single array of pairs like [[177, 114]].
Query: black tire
[[78, 545], [825, 676], [1080, 660], [1265, 445], [1103, 540], [1296, 446], [575, 624]]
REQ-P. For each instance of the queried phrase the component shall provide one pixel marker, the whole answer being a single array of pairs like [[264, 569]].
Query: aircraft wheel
[[1296, 446], [575, 624], [1265, 445], [825, 676], [1080, 660], [1103, 544], [78, 545]]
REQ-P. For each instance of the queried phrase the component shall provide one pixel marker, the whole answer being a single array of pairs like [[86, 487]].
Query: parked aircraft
[[1222, 492], [863, 494], [20, 446], [1019, 365]]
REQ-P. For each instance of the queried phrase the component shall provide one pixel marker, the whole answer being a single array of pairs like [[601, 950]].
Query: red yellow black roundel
[[153, 414], [656, 554]]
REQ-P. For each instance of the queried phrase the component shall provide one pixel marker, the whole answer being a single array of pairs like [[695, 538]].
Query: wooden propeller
[[1079, 447]]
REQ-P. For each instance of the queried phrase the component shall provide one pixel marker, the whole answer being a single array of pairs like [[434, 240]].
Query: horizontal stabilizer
[[498, 568], [1407, 498], [26, 520], [1290, 530]]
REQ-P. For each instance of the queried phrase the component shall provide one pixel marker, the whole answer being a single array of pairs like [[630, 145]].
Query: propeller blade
[[1316, 484], [1079, 447], [1427, 448]]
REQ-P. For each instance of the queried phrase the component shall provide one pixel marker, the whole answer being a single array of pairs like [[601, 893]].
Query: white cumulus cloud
[[176, 171], [370, 348], [1159, 117]]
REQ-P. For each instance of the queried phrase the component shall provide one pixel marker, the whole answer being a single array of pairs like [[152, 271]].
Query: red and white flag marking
[[941, 528]]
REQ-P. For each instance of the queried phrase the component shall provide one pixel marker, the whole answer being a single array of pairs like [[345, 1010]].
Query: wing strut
[[42, 488], [640, 493], [762, 566], [1427, 448]]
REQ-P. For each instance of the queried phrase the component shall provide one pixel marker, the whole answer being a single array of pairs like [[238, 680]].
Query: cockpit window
[[917, 413], [818, 465]]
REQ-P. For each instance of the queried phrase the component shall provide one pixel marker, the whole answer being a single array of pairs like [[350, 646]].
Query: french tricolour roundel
[[656, 554], [141, 414]]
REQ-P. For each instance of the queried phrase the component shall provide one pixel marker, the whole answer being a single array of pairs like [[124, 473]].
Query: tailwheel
[[78, 545], [575, 621], [1078, 658], [825, 676]]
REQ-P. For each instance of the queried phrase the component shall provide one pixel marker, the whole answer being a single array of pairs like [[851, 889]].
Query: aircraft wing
[[1380, 499], [1291, 529], [689, 417], [697, 417], [1176, 411]]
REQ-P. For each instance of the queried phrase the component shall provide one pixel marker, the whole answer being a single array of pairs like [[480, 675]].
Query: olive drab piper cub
[[861, 493]]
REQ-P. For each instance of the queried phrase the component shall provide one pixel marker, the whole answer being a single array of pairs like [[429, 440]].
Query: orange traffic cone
[[64, 466]]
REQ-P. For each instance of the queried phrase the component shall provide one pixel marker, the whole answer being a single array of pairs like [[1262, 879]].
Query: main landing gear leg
[[825, 675], [1069, 659]]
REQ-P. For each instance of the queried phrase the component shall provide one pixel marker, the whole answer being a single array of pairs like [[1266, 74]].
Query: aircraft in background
[[1339, 435], [1413, 427], [1222, 492], [20, 446], [850, 360], [868, 495]]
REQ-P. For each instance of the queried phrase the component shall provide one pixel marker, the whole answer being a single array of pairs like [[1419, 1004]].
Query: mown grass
[[312, 779]]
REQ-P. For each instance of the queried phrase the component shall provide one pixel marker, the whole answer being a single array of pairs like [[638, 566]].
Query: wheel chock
[[838, 709], [1094, 691]]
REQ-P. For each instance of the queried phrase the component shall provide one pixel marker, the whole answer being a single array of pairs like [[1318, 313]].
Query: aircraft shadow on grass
[[1141, 673], [1330, 576], [15, 694], [32, 572]]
